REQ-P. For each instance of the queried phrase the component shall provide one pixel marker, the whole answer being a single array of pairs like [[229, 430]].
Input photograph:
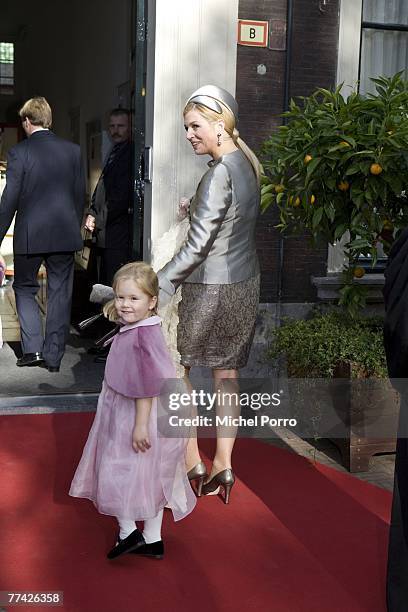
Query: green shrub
[[314, 347]]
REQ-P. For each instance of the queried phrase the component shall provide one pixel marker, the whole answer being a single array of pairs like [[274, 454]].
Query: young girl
[[126, 469]]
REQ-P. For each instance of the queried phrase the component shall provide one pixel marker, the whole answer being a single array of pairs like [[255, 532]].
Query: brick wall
[[261, 100]]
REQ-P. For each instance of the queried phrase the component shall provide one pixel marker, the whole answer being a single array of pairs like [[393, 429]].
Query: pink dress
[[119, 481]]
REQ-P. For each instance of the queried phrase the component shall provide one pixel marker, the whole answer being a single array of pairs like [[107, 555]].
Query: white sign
[[253, 33]]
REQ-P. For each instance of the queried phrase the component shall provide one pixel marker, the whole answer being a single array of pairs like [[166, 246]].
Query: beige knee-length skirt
[[217, 323]]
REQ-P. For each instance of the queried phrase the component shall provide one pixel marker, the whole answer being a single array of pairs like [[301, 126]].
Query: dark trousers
[[60, 275], [397, 574]]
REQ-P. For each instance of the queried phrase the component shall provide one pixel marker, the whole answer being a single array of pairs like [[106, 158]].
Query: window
[[373, 41], [6, 68], [384, 40]]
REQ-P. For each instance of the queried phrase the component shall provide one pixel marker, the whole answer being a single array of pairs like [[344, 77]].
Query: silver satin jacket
[[220, 245]]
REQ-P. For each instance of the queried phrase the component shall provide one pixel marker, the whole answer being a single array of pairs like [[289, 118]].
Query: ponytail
[[249, 154]]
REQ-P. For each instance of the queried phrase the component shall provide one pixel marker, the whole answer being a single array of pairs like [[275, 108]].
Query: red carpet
[[296, 537]]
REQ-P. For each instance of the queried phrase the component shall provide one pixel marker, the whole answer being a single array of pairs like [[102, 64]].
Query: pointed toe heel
[[198, 474], [224, 479]]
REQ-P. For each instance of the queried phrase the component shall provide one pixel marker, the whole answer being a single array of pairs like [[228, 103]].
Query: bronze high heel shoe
[[198, 473], [224, 479]]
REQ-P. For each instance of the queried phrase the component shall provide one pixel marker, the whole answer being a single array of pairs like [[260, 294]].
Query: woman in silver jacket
[[218, 267]]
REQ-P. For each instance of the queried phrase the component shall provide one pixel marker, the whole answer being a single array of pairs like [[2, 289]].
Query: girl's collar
[[154, 320]]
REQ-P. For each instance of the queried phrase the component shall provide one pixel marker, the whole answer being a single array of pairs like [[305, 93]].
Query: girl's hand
[[140, 438], [184, 205]]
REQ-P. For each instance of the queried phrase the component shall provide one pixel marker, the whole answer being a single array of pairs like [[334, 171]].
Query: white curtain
[[383, 52], [386, 11]]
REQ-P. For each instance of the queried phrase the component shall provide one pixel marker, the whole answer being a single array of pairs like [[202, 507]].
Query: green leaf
[[312, 165], [358, 243], [330, 210], [340, 231], [267, 189], [353, 169], [317, 217], [348, 139], [266, 200]]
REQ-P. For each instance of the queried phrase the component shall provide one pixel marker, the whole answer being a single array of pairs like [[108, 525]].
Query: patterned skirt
[[217, 323]]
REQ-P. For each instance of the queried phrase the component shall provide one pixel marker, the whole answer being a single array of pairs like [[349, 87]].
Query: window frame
[[7, 89], [351, 25]]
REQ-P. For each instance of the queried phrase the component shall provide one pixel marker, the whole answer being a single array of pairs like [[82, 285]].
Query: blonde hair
[[140, 273], [229, 121], [38, 111]]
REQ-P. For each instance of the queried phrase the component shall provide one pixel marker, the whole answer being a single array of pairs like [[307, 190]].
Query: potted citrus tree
[[338, 167]]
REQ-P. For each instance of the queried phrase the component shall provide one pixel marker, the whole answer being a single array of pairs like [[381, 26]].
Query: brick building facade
[[261, 98]]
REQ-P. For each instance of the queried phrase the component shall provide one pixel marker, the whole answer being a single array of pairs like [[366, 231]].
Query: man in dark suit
[[45, 186], [110, 214]]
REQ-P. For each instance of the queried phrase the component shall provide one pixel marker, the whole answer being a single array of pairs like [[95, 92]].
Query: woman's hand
[[140, 438], [184, 205], [90, 223]]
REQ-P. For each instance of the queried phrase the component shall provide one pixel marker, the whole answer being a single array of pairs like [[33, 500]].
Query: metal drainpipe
[[286, 98]]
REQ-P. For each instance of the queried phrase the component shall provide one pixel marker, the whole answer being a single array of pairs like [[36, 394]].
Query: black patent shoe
[[155, 550], [129, 544], [30, 359], [98, 350], [101, 359]]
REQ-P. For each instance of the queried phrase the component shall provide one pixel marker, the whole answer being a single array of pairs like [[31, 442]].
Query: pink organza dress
[[119, 481]]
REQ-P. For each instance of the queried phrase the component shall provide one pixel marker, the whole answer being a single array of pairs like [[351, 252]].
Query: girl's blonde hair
[[145, 278], [229, 120]]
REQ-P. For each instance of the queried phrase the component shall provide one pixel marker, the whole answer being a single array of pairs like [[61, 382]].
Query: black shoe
[[154, 550], [98, 350], [101, 359], [129, 544], [30, 359], [53, 368]]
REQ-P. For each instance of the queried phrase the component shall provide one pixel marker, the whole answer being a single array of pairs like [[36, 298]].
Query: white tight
[[151, 529]]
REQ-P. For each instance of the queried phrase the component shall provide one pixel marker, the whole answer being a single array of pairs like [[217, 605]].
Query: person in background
[[396, 350], [110, 215], [45, 186]]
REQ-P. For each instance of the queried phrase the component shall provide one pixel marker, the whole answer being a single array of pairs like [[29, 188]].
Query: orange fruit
[[279, 188], [358, 272], [312, 199], [343, 185], [294, 201], [307, 159], [376, 169]]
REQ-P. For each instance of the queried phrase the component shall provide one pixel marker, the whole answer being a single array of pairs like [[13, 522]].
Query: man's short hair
[[38, 111], [120, 111]]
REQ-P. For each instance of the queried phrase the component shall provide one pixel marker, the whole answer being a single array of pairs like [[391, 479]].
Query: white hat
[[211, 95]]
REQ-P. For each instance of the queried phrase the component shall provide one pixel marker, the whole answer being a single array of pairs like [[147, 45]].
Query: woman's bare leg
[[192, 451], [225, 382]]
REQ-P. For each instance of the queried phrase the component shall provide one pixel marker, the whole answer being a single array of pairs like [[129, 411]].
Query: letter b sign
[[253, 33]]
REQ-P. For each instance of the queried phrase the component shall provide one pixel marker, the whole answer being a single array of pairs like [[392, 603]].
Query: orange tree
[[341, 165]]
